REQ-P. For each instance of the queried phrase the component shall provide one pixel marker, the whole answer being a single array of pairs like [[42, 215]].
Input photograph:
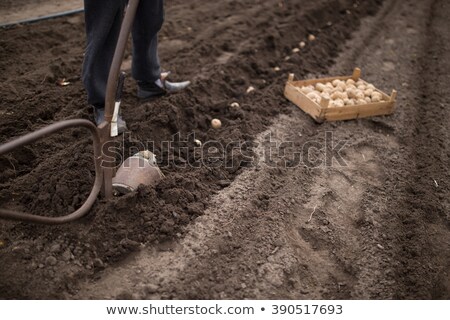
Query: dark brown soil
[[397, 220]]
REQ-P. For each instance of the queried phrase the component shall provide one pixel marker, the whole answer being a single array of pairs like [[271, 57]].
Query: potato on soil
[[216, 123]]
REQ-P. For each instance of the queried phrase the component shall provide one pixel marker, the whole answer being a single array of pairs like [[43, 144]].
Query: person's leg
[[103, 20], [146, 69], [148, 22]]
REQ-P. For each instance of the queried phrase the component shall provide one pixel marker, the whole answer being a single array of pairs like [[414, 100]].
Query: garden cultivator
[[139, 169]]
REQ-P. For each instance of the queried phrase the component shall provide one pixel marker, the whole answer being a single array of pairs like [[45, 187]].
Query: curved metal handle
[[34, 136]]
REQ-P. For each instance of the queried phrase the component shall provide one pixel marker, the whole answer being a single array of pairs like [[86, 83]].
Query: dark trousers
[[103, 20]]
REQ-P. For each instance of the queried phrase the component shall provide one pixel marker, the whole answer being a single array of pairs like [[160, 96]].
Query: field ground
[[377, 227]]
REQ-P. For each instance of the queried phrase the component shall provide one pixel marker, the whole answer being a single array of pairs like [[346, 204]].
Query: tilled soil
[[375, 226]]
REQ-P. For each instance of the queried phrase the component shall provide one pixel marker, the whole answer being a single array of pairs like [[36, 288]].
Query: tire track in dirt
[[400, 215], [424, 248]]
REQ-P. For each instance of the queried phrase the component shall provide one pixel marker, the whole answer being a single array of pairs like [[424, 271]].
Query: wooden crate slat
[[361, 113], [300, 99]]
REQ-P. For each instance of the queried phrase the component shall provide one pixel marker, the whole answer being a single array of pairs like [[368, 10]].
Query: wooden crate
[[323, 112]]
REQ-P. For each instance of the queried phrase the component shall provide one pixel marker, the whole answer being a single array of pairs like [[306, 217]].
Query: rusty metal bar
[[46, 17], [111, 90], [34, 136]]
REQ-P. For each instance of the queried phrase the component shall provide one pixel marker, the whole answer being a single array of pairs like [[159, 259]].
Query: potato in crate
[[339, 98]]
